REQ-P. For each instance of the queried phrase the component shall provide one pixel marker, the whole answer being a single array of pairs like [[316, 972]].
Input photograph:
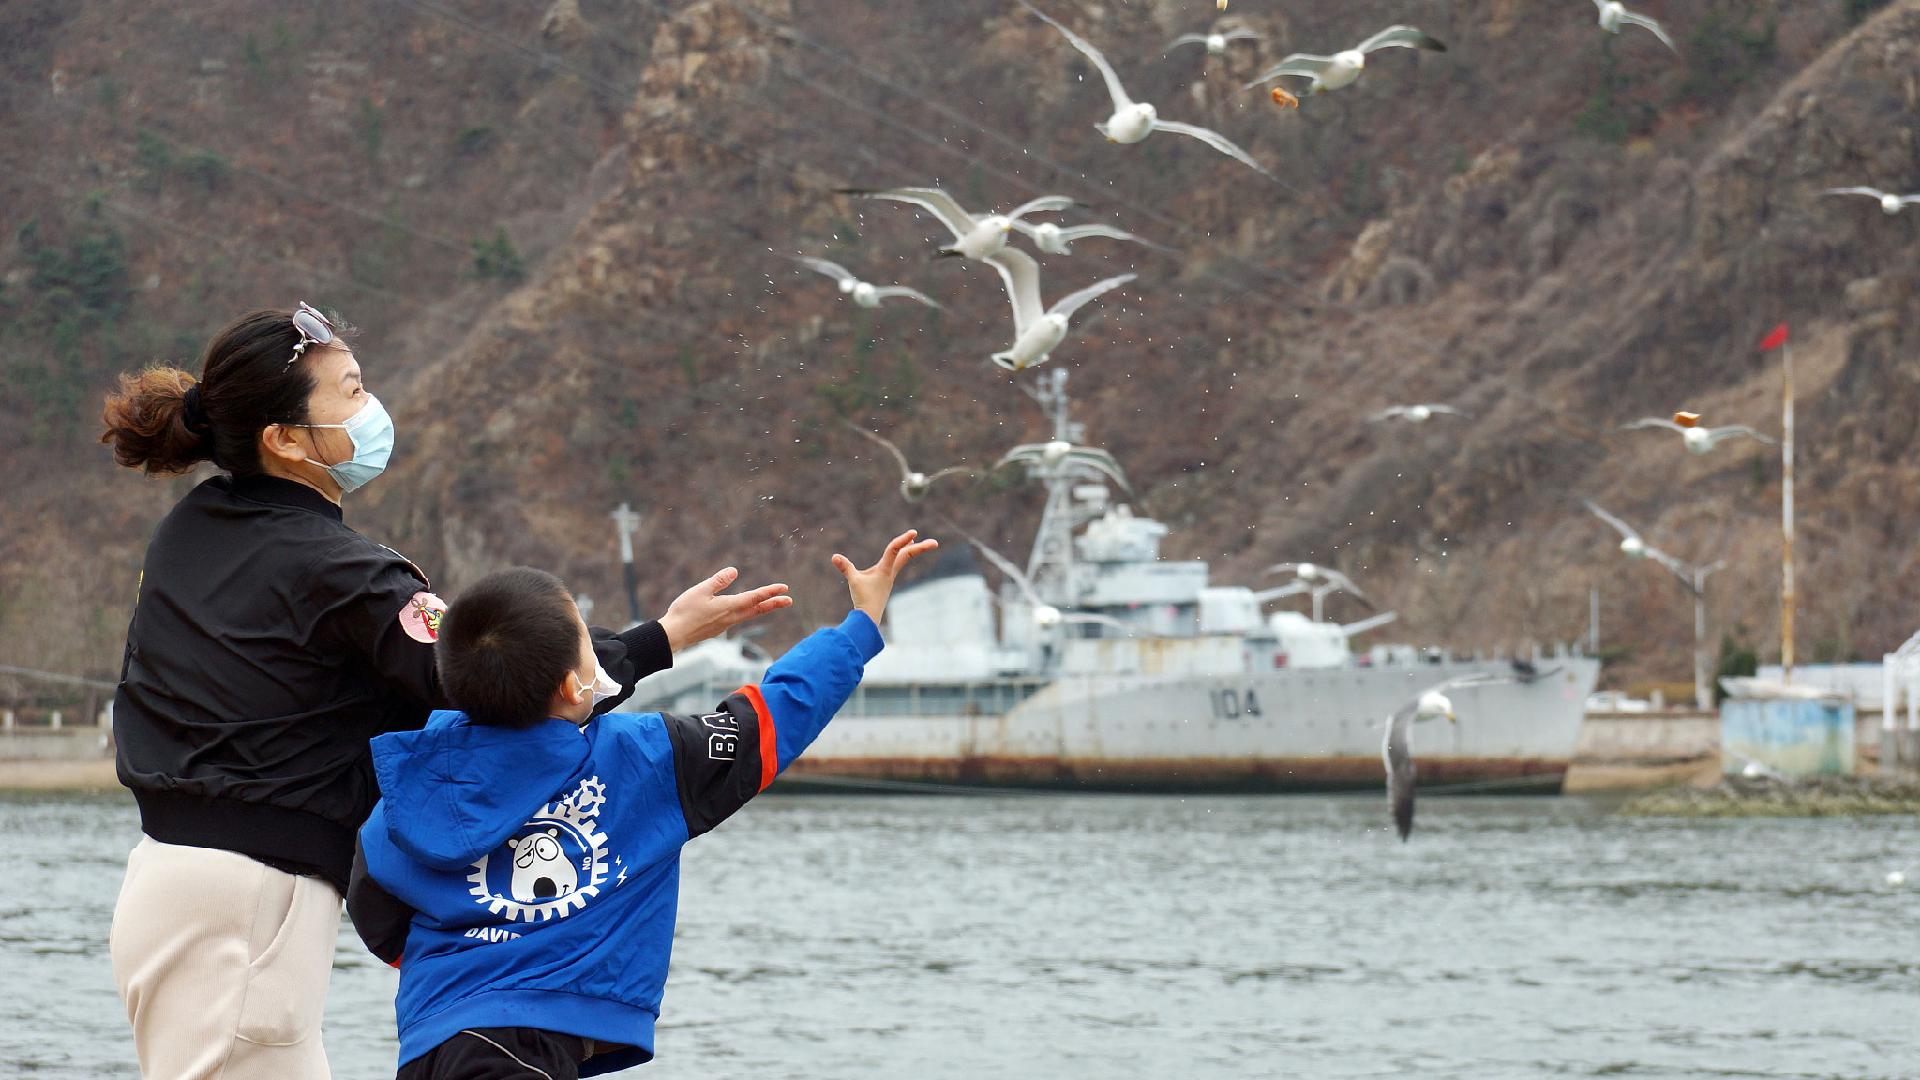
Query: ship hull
[[1278, 732]]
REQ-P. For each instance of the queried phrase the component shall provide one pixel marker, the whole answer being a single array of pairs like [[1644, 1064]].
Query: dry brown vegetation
[[1554, 229]]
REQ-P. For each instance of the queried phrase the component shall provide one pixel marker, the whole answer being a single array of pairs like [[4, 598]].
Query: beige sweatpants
[[223, 963]]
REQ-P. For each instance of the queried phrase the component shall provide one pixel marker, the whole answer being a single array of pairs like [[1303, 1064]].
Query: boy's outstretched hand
[[707, 610], [871, 587]]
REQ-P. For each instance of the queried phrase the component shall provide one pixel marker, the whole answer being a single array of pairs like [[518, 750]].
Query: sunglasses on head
[[313, 327]]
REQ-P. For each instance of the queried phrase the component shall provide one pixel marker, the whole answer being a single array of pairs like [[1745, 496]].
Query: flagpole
[[1786, 515]]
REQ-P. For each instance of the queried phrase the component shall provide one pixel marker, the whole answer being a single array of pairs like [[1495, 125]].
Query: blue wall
[[1798, 738]]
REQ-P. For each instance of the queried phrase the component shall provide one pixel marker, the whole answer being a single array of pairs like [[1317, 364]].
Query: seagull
[[913, 484], [865, 294], [1417, 414], [1322, 577], [1614, 15], [1045, 615], [1216, 43], [1058, 452], [1342, 68], [1133, 121], [1698, 439], [1889, 204], [1054, 239], [974, 237], [1396, 747], [1634, 547], [1037, 332]]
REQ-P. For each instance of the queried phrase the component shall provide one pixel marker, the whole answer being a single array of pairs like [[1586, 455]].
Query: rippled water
[[1163, 937]]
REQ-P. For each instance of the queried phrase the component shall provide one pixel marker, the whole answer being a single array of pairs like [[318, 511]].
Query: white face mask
[[602, 687]]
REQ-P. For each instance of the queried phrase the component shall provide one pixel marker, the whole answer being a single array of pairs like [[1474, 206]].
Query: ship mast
[[1050, 564]]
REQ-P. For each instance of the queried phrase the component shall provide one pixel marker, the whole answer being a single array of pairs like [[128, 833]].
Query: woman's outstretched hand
[[871, 587], [707, 610]]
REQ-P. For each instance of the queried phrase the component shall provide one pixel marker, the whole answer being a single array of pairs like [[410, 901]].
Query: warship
[[1103, 666]]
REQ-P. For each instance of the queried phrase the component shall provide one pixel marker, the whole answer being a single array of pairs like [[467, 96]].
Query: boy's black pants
[[500, 1054]]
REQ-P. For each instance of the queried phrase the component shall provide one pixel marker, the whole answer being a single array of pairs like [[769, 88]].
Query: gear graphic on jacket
[[554, 864]]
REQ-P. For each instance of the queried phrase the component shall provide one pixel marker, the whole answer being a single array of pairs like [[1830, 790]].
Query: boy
[[522, 867]]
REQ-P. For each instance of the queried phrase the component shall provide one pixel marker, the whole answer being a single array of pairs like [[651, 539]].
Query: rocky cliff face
[[1554, 229]]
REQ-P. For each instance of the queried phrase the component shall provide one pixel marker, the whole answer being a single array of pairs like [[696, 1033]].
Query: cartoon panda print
[[541, 870]]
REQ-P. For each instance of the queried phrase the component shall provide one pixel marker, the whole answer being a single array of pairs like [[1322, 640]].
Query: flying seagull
[[1417, 414], [1036, 331], [1889, 204], [1634, 547], [863, 293], [1216, 43], [1342, 68], [913, 484], [1699, 439], [1396, 746], [1059, 451], [1045, 615], [1322, 577], [974, 236], [1055, 239], [1133, 121], [1614, 15]]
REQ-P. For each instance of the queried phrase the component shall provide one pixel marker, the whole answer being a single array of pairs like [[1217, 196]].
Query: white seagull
[[865, 294], [1890, 204], [1045, 615], [1037, 331], [1416, 414], [1321, 576], [1700, 440], [1634, 547], [1396, 747], [1614, 15], [1055, 239], [1342, 68], [974, 236], [1216, 43], [1059, 451], [913, 484], [1133, 121]]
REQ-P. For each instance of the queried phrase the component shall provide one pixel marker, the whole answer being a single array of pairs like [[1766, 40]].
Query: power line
[[276, 181], [57, 677], [225, 243]]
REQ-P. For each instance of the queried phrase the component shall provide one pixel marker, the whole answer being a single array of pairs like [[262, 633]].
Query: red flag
[[1775, 339]]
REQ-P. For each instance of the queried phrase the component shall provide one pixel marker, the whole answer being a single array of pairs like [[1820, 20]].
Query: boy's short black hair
[[506, 644]]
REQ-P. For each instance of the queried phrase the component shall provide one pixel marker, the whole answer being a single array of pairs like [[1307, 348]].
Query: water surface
[[1165, 937]]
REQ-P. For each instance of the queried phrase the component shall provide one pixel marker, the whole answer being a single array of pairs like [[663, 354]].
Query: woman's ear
[[277, 442]]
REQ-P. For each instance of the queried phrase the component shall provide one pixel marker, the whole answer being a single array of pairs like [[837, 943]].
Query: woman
[[269, 642]]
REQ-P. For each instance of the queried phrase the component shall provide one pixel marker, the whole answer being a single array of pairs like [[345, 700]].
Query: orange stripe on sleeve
[[769, 752]]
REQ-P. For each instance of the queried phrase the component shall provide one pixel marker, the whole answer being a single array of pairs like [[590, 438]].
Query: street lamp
[[1692, 577], [625, 521]]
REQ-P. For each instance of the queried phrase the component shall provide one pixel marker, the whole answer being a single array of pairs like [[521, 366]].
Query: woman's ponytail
[[148, 423], [164, 421]]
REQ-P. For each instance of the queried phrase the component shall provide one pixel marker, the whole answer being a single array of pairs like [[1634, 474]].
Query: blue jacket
[[529, 878]]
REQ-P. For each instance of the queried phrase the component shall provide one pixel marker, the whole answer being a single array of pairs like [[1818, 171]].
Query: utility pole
[[1786, 517], [1777, 339], [625, 520], [1593, 620], [1702, 685]]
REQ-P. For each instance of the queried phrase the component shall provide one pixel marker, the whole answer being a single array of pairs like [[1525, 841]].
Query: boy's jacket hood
[[456, 790]]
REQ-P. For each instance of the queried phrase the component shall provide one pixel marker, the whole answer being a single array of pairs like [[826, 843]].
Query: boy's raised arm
[[724, 758]]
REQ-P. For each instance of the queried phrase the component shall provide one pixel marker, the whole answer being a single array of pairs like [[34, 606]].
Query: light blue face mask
[[371, 431]]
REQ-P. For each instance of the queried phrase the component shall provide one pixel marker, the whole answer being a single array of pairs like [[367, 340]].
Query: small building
[[1773, 728]]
